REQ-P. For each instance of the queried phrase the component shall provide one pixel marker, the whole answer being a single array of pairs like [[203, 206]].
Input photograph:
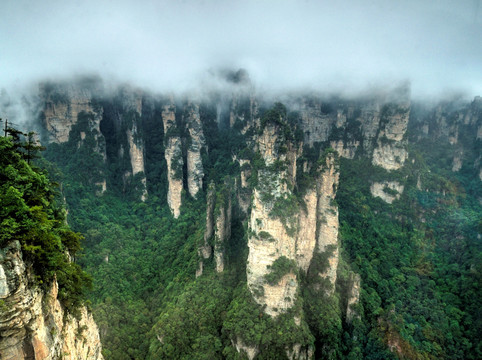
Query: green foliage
[[412, 271], [280, 267], [29, 213], [247, 322]]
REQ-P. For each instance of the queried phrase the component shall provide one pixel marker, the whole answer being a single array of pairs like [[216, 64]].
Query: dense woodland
[[419, 258]]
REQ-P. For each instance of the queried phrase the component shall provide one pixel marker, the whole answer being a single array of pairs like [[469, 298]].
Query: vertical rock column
[[222, 231], [136, 154], [173, 155], [390, 152], [273, 238], [205, 249], [328, 218], [218, 227], [195, 171]]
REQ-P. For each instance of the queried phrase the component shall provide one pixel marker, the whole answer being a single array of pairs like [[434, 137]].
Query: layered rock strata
[[33, 324]]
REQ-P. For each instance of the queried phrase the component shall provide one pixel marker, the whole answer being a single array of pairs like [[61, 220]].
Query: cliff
[[173, 156], [218, 227], [62, 104], [285, 232], [33, 323], [373, 127], [196, 142]]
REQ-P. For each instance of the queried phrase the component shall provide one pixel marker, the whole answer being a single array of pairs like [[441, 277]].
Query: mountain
[[228, 224]]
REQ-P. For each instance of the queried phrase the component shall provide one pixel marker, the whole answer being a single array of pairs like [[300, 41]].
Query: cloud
[[328, 46]]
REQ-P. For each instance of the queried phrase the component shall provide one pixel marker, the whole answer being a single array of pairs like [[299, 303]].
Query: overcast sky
[[173, 45]]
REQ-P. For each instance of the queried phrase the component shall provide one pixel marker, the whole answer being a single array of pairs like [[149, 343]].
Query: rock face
[[33, 324], [137, 156], [205, 249], [281, 230], [456, 125], [128, 103], [222, 230], [250, 351], [379, 125], [353, 298], [173, 155], [327, 212], [218, 227], [388, 191], [62, 105], [270, 238], [195, 171], [390, 152]]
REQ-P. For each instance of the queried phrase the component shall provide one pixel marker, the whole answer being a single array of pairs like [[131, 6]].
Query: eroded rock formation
[[33, 323], [173, 155], [388, 191], [195, 171], [282, 230]]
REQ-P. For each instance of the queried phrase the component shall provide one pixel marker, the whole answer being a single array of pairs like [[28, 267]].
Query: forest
[[419, 258]]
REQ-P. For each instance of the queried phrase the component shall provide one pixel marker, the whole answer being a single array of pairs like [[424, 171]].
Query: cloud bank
[[345, 45]]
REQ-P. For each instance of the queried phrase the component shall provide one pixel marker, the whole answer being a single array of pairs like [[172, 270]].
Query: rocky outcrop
[[317, 119], [250, 351], [136, 154], [353, 297], [62, 105], [280, 228], [243, 188], [243, 112], [272, 237], [456, 124], [195, 171], [378, 124], [33, 324], [327, 212], [388, 191], [390, 151], [222, 230], [205, 249], [299, 353], [174, 160], [218, 227]]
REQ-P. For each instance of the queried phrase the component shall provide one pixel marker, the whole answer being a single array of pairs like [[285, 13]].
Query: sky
[[285, 45]]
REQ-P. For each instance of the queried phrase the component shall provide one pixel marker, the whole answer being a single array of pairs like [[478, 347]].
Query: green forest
[[419, 259]]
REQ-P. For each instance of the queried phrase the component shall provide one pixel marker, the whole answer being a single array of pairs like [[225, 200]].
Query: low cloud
[[328, 46]]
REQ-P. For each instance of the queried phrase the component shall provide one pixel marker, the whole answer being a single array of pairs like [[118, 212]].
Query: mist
[[344, 46]]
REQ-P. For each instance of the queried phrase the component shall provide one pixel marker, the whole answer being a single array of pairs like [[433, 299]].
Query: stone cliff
[[457, 127], [218, 227], [375, 127], [173, 155], [195, 172], [62, 104], [33, 323], [285, 230]]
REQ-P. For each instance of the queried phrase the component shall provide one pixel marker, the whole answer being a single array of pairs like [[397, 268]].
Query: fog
[[330, 46]]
